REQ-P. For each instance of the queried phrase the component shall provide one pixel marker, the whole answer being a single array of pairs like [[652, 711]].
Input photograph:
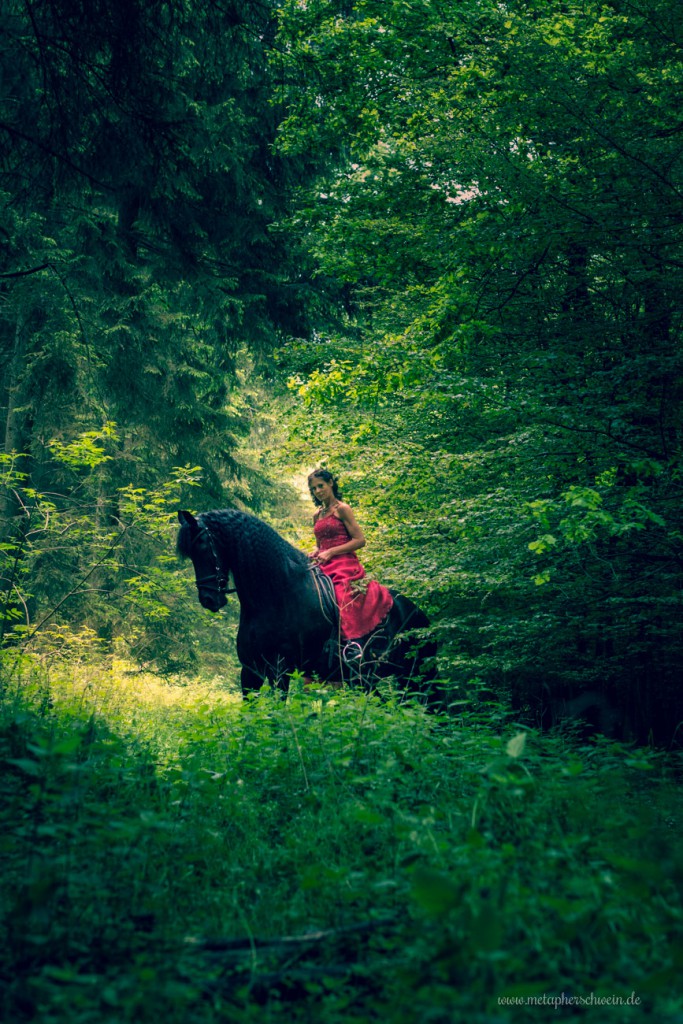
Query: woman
[[363, 603]]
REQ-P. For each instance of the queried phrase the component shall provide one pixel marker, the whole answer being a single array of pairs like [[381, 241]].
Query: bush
[[171, 851]]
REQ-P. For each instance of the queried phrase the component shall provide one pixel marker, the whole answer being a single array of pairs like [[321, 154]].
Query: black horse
[[288, 617]]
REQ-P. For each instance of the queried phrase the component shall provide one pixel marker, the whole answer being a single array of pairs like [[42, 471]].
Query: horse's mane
[[252, 550]]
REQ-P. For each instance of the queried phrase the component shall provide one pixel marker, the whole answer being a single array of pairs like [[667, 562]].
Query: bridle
[[218, 580]]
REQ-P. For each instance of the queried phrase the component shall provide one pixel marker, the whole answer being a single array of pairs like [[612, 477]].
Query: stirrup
[[352, 654]]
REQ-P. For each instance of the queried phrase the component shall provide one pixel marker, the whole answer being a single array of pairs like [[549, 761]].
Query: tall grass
[[166, 848]]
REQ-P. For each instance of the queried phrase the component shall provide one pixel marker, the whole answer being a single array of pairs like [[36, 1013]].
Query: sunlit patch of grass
[[140, 707]]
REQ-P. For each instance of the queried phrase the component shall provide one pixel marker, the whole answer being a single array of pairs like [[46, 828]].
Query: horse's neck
[[259, 567], [250, 587]]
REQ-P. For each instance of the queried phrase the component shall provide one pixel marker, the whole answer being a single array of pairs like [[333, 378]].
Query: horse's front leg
[[258, 655], [266, 670], [251, 680]]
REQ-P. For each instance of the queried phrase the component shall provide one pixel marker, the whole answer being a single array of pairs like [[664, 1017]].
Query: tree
[[139, 276], [502, 203]]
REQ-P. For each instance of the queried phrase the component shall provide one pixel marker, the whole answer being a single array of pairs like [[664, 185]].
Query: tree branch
[[25, 273]]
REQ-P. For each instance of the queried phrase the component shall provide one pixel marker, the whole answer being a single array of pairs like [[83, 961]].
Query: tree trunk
[[13, 518]]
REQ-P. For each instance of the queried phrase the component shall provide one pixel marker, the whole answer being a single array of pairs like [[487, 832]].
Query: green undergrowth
[[173, 853]]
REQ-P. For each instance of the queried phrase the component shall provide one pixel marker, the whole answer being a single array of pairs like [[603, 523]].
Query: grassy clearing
[[167, 846]]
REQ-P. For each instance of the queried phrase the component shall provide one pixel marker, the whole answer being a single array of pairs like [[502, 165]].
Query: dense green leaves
[[165, 847], [466, 215], [436, 246], [139, 277], [503, 202]]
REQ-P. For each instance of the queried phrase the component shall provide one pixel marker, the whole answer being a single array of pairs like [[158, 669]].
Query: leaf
[[25, 765], [434, 892], [515, 747], [367, 816], [543, 543]]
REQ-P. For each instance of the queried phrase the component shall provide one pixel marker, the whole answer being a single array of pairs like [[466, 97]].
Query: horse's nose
[[213, 602]]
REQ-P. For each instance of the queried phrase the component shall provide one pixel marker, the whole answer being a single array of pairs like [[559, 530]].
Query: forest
[[436, 247]]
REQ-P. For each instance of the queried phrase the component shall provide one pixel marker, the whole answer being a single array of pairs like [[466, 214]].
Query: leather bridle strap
[[218, 581]]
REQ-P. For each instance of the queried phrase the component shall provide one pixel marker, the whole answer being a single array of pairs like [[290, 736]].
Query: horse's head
[[196, 542]]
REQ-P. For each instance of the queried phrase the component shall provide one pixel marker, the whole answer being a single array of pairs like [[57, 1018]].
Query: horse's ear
[[187, 519]]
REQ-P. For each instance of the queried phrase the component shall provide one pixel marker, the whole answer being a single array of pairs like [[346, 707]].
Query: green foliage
[[489, 198], [85, 451], [157, 835], [139, 277], [502, 205], [99, 574]]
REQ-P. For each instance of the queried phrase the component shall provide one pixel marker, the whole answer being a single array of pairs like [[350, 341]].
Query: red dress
[[361, 607]]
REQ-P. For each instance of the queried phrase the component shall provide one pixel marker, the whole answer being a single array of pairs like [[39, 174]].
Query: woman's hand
[[322, 557]]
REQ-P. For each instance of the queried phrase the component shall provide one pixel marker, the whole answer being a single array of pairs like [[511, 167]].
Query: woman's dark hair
[[329, 478]]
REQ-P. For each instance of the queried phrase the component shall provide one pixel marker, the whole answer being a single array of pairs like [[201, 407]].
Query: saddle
[[326, 596]]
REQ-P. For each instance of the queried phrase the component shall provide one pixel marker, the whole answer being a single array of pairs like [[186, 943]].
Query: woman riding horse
[[286, 622], [363, 603]]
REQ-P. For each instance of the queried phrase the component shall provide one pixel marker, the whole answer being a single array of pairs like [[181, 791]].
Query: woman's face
[[322, 490]]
